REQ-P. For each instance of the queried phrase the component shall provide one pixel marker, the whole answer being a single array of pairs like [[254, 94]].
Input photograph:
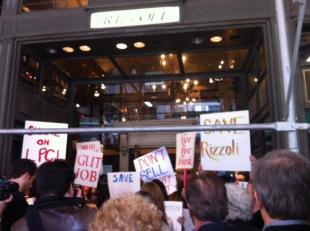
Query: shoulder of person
[[20, 225]]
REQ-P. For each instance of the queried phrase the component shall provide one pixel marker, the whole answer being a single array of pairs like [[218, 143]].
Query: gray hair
[[239, 203], [281, 180]]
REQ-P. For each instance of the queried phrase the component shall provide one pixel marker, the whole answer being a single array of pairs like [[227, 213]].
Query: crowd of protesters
[[277, 198]]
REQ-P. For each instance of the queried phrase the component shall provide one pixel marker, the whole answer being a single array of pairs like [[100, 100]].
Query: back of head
[[206, 198], [156, 196], [239, 203], [20, 167], [282, 181], [54, 178], [162, 187], [127, 213]]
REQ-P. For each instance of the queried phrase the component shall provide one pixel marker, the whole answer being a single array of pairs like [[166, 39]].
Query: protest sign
[[123, 182], [154, 165], [174, 210], [170, 183], [225, 150], [45, 147], [185, 150], [88, 163], [188, 223]]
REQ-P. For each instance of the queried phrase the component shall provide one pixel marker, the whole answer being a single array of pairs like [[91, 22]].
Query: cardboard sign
[[185, 150], [46, 147], [88, 164], [154, 165], [188, 223], [170, 183], [123, 182], [174, 210], [225, 150]]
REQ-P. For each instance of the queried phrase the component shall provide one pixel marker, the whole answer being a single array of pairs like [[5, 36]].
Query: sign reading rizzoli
[[135, 17]]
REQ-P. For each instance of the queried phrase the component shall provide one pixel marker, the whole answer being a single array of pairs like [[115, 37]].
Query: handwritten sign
[[154, 165], [170, 183], [225, 150], [88, 163], [135, 17], [123, 182], [46, 147], [174, 210], [188, 223], [185, 150]]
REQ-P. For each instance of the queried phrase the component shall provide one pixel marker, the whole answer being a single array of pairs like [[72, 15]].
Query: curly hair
[[239, 203], [127, 213]]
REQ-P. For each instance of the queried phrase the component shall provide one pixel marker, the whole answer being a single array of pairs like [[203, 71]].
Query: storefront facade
[[23, 23]]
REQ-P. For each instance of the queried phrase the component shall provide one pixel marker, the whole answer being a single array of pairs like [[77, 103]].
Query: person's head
[[54, 178], [23, 172], [127, 213], [156, 196], [239, 203], [206, 198], [281, 181], [162, 187]]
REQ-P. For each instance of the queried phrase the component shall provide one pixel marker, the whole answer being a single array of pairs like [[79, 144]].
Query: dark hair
[[20, 167], [54, 178], [207, 198], [162, 187], [282, 181]]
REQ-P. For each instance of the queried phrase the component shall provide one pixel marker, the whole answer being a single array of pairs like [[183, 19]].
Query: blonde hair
[[127, 213]]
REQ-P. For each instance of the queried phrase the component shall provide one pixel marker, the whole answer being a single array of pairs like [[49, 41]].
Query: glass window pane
[[149, 65], [35, 5], [212, 61]]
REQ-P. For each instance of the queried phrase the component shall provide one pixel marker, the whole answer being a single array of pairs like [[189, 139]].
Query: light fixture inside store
[[197, 40], [163, 62], [193, 99], [68, 49], [154, 87], [308, 60], [211, 80], [185, 86], [148, 103], [85, 48], [187, 80], [184, 58], [216, 39], [102, 86], [183, 117], [121, 46], [44, 89], [102, 75], [178, 100], [64, 91], [26, 9], [96, 93], [139, 44], [196, 82], [51, 50], [164, 86], [162, 56], [232, 66], [222, 62], [123, 119], [255, 80], [220, 66], [77, 105]]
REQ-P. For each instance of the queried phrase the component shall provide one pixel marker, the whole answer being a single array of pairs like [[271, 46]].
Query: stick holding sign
[[121, 183], [225, 150], [47, 147]]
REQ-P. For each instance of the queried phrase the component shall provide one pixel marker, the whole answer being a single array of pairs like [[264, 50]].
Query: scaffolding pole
[[277, 126]]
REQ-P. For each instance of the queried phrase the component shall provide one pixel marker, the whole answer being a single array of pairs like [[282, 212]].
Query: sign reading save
[[123, 182], [225, 150]]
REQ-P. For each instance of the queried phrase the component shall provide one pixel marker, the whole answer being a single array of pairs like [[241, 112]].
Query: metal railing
[[276, 126]]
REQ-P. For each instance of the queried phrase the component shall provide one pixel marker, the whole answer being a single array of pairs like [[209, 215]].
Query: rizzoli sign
[[135, 17]]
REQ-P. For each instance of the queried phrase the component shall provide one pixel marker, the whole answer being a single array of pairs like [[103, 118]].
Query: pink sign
[[185, 150]]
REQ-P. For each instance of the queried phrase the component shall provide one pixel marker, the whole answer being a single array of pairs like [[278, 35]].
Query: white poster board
[[225, 150], [45, 147], [154, 165], [121, 183], [188, 223], [170, 183], [174, 210], [185, 151], [88, 164]]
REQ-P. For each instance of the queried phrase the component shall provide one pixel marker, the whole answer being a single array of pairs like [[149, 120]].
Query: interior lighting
[[178, 100], [96, 93], [64, 91], [187, 99], [211, 80], [51, 50], [184, 102], [164, 86], [197, 40], [154, 87], [193, 99], [184, 58], [222, 62], [216, 39], [85, 48], [123, 119], [102, 75], [77, 105], [233, 61], [187, 80], [68, 49], [196, 82], [121, 46], [308, 60], [232, 66], [139, 44], [220, 66], [185, 86], [148, 103], [183, 117], [255, 80], [162, 56], [103, 86], [164, 62], [44, 89]]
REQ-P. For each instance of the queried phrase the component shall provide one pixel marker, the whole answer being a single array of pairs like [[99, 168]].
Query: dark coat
[[56, 214], [303, 227], [241, 226]]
